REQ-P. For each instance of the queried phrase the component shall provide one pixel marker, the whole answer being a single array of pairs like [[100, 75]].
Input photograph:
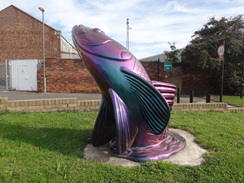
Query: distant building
[[21, 44], [160, 57], [68, 50], [21, 37]]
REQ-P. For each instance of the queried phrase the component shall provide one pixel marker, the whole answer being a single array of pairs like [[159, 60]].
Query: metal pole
[[158, 69], [222, 76], [127, 33], [178, 95], [222, 81], [241, 95], [208, 98], [191, 96], [43, 51]]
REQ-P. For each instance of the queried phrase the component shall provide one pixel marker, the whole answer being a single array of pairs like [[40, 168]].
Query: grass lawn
[[232, 100], [48, 147]]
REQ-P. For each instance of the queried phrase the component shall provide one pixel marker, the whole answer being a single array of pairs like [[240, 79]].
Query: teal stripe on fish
[[153, 105]]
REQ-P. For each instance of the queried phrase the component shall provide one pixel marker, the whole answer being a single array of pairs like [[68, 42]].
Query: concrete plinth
[[191, 155]]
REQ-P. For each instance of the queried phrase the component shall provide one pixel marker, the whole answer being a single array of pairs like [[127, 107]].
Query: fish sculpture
[[134, 113]]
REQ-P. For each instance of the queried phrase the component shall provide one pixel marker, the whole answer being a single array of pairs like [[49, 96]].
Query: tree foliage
[[172, 56], [201, 53]]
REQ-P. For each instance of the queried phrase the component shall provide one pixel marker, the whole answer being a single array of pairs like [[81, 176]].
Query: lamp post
[[127, 33], [43, 50]]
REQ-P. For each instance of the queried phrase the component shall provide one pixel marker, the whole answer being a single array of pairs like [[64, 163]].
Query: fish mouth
[[96, 42], [99, 44], [83, 32]]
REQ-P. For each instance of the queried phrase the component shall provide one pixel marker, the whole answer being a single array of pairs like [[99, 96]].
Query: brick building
[[21, 37], [20, 40]]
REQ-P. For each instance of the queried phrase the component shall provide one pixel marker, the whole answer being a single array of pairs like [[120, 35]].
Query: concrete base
[[191, 155]]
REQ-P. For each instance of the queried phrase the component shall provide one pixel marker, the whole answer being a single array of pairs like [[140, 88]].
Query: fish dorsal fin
[[104, 129], [153, 105], [125, 128]]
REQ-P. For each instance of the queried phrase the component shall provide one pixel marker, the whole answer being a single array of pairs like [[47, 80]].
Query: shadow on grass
[[62, 140]]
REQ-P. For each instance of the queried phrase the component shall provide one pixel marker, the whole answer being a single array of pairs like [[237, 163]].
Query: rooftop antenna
[[127, 33]]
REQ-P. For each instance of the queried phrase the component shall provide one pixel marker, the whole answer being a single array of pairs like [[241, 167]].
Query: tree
[[201, 53], [171, 56]]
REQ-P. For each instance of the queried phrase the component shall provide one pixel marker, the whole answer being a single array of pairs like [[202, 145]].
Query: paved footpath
[[17, 95]]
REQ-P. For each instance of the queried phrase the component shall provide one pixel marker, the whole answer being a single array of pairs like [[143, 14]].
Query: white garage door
[[23, 75]]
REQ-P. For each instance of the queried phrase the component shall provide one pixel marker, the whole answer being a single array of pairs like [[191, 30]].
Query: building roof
[[160, 57], [12, 6]]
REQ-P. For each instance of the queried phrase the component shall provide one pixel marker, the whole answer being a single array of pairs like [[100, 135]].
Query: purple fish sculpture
[[134, 113]]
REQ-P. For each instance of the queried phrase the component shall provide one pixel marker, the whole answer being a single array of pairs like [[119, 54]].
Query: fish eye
[[97, 30]]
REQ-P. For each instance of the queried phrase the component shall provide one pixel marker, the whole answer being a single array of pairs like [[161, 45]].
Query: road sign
[[167, 66], [221, 58], [221, 50]]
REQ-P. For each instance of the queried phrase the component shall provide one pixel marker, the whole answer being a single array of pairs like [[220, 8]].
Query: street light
[[127, 33], [43, 50]]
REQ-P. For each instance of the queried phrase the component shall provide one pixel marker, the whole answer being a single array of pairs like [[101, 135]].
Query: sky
[[153, 23]]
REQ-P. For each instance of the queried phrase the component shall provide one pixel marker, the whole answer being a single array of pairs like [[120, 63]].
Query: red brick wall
[[184, 77], [66, 76], [202, 82], [156, 72], [21, 36], [175, 75], [71, 76]]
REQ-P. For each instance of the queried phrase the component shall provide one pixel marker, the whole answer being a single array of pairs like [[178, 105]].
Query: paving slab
[[17, 95]]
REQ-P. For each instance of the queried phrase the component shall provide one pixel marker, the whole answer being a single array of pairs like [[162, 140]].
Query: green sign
[[167, 66]]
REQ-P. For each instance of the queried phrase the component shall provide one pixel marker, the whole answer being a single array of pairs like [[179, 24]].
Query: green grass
[[232, 100], [48, 147]]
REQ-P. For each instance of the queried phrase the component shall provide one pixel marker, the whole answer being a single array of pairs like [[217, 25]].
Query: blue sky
[[154, 23]]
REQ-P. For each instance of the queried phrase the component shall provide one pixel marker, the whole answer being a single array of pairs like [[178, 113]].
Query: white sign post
[[221, 52]]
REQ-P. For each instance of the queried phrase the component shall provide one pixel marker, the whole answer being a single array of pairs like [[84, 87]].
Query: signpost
[[167, 66], [221, 52]]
